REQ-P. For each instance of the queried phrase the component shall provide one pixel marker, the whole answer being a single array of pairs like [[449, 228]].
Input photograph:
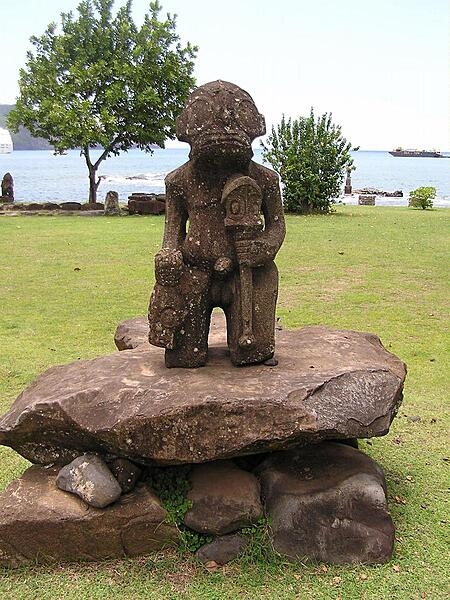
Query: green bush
[[311, 157], [422, 197]]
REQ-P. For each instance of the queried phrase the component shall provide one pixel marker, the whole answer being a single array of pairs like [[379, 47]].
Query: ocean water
[[39, 176]]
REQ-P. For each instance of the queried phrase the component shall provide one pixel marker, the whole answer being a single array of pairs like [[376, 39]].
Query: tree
[[422, 197], [104, 83], [311, 157]]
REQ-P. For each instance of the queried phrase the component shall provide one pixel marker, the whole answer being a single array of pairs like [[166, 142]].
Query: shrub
[[422, 197], [311, 157]]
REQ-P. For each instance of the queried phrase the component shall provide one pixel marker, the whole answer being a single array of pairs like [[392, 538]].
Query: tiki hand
[[253, 253], [168, 266]]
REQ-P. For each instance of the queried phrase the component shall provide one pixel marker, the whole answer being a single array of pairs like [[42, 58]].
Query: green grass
[[67, 281]]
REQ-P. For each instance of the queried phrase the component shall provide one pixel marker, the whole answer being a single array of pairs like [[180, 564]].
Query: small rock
[[126, 473], [223, 549], [70, 206], [415, 419], [271, 362], [224, 498], [89, 478]]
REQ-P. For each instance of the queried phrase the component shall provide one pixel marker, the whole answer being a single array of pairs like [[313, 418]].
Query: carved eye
[[201, 115], [246, 116]]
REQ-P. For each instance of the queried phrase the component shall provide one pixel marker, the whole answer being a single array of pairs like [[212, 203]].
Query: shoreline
[[36, 212]]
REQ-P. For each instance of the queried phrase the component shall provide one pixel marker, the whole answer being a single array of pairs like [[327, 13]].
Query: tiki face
[[220, 119]]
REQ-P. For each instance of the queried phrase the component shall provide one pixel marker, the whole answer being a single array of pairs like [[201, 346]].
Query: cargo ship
[[417, 153]]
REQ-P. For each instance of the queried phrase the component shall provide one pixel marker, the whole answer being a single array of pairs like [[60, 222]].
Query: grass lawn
[[66, 282]]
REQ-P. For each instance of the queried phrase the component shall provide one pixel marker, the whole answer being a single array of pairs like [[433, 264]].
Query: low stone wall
[[146, 204], [364, 200], [51, 206]]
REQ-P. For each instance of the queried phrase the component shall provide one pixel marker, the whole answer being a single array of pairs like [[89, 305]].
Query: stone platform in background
[[329, 384], [40, 523]]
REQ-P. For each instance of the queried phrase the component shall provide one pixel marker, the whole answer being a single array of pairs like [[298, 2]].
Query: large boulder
[[329, 384], [328, 503], [41, 523]]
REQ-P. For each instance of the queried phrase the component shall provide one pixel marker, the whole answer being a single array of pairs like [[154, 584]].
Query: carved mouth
[[225, 143]]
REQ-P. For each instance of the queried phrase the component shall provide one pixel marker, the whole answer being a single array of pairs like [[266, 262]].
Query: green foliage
[[311, 157], [103, 82], [334, 272], [260, 548], [422, 197], [171, 485]]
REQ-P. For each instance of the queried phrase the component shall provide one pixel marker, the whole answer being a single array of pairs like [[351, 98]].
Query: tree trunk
[[93, 185], [92, 168]]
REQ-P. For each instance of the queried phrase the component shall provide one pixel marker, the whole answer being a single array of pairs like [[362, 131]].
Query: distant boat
[[417, 153], [6, 145]]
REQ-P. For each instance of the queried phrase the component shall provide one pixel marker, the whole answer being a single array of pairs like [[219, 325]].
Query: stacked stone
[[257, 446], [146, 204]]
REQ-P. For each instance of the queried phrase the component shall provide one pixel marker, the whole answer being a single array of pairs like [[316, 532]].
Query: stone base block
[[327, 503], [39, 523], [224, 498]]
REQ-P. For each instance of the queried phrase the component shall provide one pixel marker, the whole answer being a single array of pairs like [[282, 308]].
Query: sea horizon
[[42, 176]]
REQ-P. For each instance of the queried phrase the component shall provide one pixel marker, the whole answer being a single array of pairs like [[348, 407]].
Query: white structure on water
[[6, 145]]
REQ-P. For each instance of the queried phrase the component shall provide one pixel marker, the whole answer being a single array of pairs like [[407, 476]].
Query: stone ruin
[[112, 206], [7, 188], [140, 203], [256, 433]]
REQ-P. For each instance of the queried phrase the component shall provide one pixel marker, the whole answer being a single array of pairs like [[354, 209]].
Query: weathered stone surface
[[126, 473], [376, 192], [33, 206], [224, 226], [112, 207], [50, 206], [70, 206], [89, 477], [327, 503], [41, 523], [224, 498], [7, 186], [146, 204], [223, 549], [364, 200], [328, 384], [88, 206], [133, 332]]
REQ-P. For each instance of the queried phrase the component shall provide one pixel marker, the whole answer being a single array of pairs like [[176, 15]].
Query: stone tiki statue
[[224, 226], [8, 186]]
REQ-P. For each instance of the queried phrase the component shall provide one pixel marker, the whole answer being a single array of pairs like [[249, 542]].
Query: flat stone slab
[[133, 332], [328, 384], [40, 523]]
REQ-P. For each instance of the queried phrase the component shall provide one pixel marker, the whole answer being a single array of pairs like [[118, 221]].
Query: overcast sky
[[380, 66]]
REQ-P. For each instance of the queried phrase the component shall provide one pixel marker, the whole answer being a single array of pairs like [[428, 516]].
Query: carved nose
[[226, 117]]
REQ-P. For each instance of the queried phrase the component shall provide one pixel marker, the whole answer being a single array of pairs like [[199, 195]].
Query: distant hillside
[[23, 140]]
